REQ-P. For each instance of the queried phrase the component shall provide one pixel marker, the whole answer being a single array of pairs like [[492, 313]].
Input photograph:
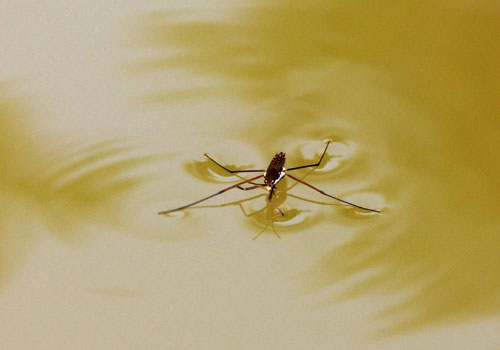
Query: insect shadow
[[272, 176]]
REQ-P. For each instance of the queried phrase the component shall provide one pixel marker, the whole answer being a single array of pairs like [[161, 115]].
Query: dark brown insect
[[272, 175]]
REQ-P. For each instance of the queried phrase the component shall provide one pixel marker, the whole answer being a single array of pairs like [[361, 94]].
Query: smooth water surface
[[106, 111]]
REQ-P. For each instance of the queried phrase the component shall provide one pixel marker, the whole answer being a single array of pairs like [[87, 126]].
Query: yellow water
[[106, 124]]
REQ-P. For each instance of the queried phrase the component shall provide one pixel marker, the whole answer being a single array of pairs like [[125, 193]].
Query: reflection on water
[[410, 92], [66, 191]]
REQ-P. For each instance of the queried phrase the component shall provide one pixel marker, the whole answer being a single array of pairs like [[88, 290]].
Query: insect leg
[[234, 171], [212, 195], [276, 207], [251, 187], [329, 195], [315, 164]]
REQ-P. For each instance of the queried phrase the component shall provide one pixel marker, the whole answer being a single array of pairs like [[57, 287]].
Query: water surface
[[106, 124]]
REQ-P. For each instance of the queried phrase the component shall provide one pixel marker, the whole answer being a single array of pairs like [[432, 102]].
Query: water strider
[[272, 175]]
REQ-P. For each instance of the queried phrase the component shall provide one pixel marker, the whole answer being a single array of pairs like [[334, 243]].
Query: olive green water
[[105, 123]]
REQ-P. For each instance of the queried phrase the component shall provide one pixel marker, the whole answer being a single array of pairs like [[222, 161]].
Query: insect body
[[272, 175], [274, 172]]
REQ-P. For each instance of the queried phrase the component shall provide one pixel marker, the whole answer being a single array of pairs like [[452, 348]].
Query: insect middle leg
[[251, 187], [315, 164], [234, 171]]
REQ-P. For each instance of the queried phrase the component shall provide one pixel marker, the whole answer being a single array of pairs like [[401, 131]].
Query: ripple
[[208, 171], [181, 214], [309, 152], [368, 200], [293, 218]]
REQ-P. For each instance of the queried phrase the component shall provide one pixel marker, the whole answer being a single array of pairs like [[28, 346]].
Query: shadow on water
[[414, 88], [262, 214], [61, 192]]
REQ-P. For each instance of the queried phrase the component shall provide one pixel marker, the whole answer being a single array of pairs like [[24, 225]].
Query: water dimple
[[209, 171], [181, 214], [309, 152], [367, 200], [293, 218]]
